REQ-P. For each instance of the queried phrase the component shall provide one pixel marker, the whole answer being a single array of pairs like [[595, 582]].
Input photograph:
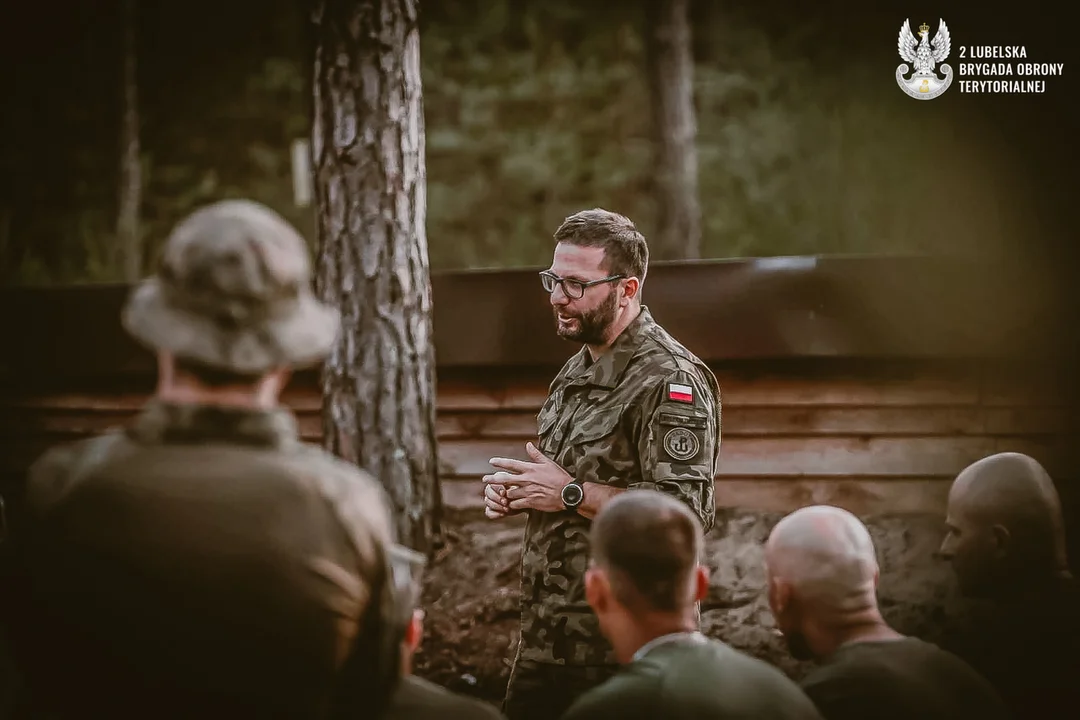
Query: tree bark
[[370, 188], [671, 82], [128, 243]]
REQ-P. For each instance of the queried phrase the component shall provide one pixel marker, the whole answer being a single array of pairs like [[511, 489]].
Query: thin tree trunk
[[671, 81], [370, 187], [128, 242]]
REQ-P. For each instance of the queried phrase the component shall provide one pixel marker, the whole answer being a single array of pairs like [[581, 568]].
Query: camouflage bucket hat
[[233, 292]]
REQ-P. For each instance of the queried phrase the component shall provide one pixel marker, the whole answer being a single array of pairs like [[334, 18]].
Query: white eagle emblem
[[924, 54]]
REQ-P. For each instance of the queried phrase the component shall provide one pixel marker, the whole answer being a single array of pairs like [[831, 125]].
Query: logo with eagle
[[924, 55]]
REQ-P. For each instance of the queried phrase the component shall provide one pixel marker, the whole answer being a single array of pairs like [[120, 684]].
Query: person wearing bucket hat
[[203, 561]]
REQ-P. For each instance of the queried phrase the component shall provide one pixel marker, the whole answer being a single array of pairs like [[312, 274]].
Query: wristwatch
[[572, 495]]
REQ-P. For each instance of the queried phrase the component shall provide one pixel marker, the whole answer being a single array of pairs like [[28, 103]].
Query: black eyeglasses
[[574, 289]]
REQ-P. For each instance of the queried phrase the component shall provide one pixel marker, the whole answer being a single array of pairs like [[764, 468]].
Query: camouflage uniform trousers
[[544, 691]]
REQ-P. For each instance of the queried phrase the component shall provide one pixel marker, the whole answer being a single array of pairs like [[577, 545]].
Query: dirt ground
[[470, 602], [471, 593]]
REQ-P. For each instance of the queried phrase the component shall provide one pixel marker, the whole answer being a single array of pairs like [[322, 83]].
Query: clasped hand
[[522, 485]]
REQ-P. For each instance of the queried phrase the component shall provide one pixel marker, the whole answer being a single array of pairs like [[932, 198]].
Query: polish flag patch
[[680, 393]]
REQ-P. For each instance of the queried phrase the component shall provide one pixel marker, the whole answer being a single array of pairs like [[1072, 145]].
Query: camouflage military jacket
[[217, 547], [646, 414]]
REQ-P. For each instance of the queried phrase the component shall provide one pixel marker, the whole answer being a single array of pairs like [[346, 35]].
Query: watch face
[[572, 494]]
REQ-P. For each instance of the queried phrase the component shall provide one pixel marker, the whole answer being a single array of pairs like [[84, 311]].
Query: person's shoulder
[[418, 698], [58, 470], [661, 360], [315, 462], [631, 693], [357, 496], [751, 666], [736, 680]]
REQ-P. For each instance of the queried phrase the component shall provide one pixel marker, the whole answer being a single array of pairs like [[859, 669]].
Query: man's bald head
[[1004, 517], [649, 545], [826, 556], [823, 575]]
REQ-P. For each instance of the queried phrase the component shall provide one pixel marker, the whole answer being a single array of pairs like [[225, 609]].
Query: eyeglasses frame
[[585, 285]]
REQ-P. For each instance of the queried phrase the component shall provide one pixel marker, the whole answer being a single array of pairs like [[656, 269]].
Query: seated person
[[1006, 542], [823, 573], [644, 582], [416, 698]]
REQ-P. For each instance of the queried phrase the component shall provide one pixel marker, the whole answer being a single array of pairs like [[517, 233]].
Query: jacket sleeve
[[679, 442]]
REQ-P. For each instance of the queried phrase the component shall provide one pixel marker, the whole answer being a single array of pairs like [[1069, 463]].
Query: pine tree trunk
[[368, 149], [129, 246], [671, 81]]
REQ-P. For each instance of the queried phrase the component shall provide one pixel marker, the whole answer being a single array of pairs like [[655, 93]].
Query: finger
[[492, 515], [500, 478], [493, 493], [519, 504], [495, 507], [511, 464], [496, 502], [534, 452]]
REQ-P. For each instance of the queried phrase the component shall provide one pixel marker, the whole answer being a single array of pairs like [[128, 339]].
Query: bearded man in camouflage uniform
[[632, 409], [203, 562]]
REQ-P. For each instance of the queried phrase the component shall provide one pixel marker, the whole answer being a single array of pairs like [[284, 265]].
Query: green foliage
[[534, 110]]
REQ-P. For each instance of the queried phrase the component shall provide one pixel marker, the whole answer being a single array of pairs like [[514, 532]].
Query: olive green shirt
[[646, 414], [203, 548], [690, 677]]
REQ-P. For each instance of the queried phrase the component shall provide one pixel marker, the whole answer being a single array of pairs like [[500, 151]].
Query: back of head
[[625, 250], [649, 544], [825, 555], [233, 294]]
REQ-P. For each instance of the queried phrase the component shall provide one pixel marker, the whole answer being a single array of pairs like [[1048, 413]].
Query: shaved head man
[[823, 575], [1006, 541], [644, 580], [1006, 534]]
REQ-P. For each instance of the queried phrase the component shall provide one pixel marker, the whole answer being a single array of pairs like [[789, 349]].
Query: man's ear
[[414, 631], [597, 589], [1001, 540], [632, 288], [779, 596], [701, 583]]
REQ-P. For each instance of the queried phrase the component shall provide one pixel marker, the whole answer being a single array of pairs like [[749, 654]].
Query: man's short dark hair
[[625, 249], [649, 544], [213, 377]]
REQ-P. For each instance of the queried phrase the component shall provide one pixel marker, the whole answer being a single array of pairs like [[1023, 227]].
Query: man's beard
[[798, 647], [592, 324]]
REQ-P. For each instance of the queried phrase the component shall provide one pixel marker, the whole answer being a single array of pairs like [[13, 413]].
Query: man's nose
[[558, 297], [945, 552]]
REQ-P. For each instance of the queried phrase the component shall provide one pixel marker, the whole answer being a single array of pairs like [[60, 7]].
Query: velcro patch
[[681, 444], [682, 421], [680, 393]]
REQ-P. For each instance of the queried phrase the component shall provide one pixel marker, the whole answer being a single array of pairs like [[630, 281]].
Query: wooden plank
[[1020, 385], [771, 457], [862, 496], [825, 420], [740, 456], [932, 391], [738, 421], [919, 391], [757, 421], [89, 402], [1029, 420], [765, 393]]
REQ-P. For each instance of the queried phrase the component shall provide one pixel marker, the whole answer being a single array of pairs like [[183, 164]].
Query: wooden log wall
[[862, 382], [871, 437]]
